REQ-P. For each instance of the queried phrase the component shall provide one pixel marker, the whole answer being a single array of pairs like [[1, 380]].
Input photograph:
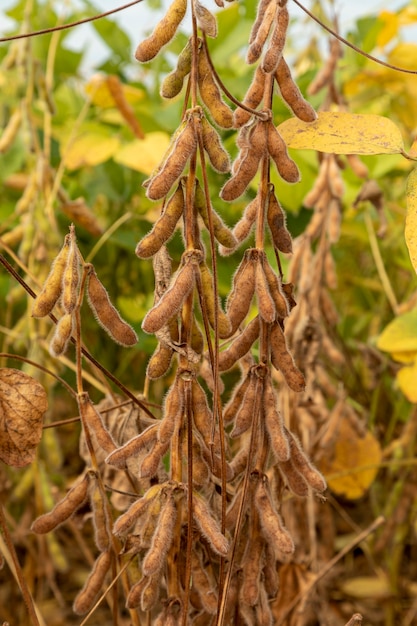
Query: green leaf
[[344, 133], [411, 218]]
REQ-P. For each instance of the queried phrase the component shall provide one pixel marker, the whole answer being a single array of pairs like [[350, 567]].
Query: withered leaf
[[23, 402]]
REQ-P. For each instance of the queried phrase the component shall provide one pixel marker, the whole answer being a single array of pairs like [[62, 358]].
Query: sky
[[136, 19]]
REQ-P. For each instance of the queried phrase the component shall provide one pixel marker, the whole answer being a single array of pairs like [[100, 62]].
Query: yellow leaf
[[343, 133], [352, 468], [366, 587], [390, 28], [98, 90], [90, 148], [406, 379], [411, 218], [400, 336], [144, 155], [404, 357]]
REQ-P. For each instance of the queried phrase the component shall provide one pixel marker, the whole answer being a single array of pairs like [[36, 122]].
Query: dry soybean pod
[[210, 92], [203, 584], [265, 301], [105, 313], [71, 275], [243, 227], [163, 32], [236, 400], [208, 298], [240, 299], [238, 183], [252, 567], [304, 466], [271, 523], [183, 146], [275, 288], [52, 287], [277, 224], [222, 233], [282, 359], [162, 538], [252, 99], [218, 157], [262, 6], [240, 346], [202, 415], [173, 409], [91, 417], [63, 510], [62, 335], [150, 593], [291, 93], [150, 464], [164, 227], [160, 361], [119, 457], [245, 413], [277, 148], [129, 518], [277, 41], [172, 300], [205, 20], [88, 594], [101, 520], [274, 423], [262, 32], [209, 526], [295, 480]]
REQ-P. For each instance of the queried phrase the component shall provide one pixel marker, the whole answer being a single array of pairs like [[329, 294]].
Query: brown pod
[[146, 438], [263, 611], [259, 37], [291, 93], [304, 466], [276, 291], [220, 231], [88, 594], [62, 335], [163, 32], [63, 510], [202, 415], [92, 418], [245, 414], [271, 522], [71, 276], [203, 584], [274, 424], [151, 591], [125, 522], [239, 301], [252, 569], [183, 145], [260, 12], [160, 361], [205, 20], [155, 558], [252, 99], [209, 302], [171, 302], [296, 482], [134, 596], [201, 470], [238, 183], [210, 92], [10, 131], [172, 413], [282, 360], [277, 148], [164, 227], [242, 229], [101, 520], [218, 157], [52, 287], [150, 464], [265, 301], [209, 526], [270, 572], [276, 222], [106, 314], [277, 41], [325, 75], [240, 346], [236, 400]]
